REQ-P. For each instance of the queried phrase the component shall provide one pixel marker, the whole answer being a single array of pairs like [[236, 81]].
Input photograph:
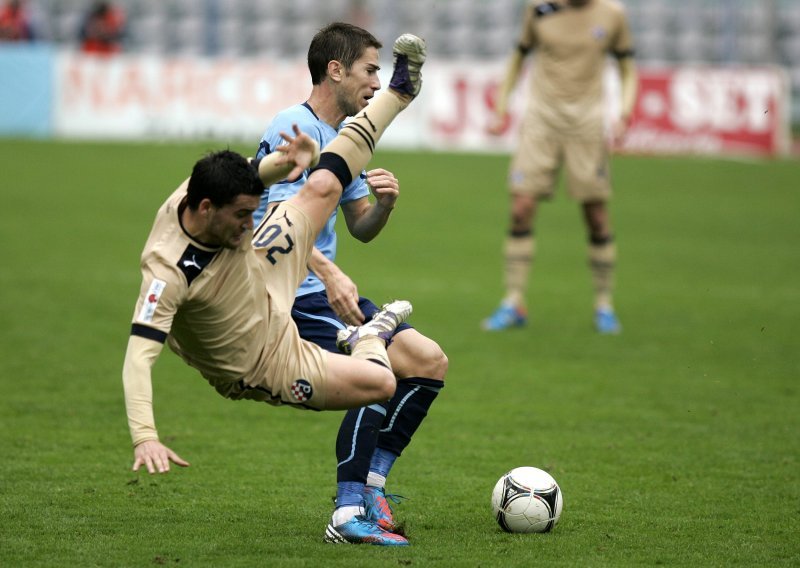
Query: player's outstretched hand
[[300, 150], [155, 456]]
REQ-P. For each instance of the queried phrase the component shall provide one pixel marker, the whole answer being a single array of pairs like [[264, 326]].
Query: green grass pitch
[[676, 443]]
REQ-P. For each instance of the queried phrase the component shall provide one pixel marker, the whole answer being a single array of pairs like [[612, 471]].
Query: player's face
[[227, 225], [359, 83]]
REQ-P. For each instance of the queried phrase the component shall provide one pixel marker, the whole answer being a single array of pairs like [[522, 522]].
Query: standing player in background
[[564, 126], [343, 60], [222, 301]]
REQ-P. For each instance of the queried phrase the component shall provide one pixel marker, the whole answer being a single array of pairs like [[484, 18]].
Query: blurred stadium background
[[675, 443], [720, 33]]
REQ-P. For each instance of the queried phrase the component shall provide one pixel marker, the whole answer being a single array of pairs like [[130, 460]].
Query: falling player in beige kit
[[564, 126], [222, 300]]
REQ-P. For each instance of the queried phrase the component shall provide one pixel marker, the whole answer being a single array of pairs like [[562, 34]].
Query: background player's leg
[[518, 255], [602, 263]]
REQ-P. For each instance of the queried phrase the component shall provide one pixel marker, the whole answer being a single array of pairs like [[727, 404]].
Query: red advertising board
[[711, 111], [691, 110]]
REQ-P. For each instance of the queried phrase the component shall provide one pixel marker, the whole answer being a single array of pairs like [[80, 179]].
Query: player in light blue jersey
[[308, 121], [344, 62]]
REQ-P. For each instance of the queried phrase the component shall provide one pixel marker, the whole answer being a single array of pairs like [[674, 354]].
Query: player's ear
[[335, 70], [205, 206]]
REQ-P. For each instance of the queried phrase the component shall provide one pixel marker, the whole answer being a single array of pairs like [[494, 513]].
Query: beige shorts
[[291, 370], [543, 150]]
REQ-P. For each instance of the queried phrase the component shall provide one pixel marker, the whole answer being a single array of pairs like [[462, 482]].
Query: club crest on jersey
[[301, 390], [598, 33], [151, 300]]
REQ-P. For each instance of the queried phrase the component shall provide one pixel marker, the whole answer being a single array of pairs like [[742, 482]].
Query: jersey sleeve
[[138, 386], [623, 39], [161, 293], [283, 122], [357, 189]]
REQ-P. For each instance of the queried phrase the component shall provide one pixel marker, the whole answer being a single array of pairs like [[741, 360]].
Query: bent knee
[[431, 362], [439, 365], [386, 387]]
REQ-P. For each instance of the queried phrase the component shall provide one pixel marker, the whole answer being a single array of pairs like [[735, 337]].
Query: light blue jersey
[[308, 122]]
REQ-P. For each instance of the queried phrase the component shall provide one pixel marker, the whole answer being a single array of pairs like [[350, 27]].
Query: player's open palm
[[155, 456], [300, 150]]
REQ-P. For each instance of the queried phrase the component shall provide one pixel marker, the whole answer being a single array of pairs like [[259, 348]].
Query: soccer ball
[[527, 500]]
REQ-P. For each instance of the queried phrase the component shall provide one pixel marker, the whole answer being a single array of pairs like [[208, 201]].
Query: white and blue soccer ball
[[527, 500]]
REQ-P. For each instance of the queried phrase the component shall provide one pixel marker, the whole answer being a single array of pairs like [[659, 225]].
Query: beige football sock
[[518, 254], [372, 348], [602, 260], [357, 139]]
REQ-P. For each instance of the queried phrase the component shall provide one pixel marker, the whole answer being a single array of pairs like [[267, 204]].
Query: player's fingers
[[347, 310], [378, 172], [354, 313], [178, 459], [358, 317], [340, 308], [381, 178]]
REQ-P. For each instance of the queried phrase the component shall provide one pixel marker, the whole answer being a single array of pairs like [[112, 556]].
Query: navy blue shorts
[[318, 323]]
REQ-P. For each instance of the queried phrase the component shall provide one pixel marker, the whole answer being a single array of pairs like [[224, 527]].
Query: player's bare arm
[[364, 219], [341, 290], [500, 120], [629, 78]]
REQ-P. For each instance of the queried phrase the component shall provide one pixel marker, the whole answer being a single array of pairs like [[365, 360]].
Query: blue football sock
[[356, 441], [349, 494], [382, 462], [406, 411]]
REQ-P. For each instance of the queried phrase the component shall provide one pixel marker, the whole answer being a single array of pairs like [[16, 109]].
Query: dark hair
[[221, 177], [340, 42]]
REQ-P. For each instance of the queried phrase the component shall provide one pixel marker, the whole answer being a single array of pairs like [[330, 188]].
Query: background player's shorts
[[542, 151], [319, 324]]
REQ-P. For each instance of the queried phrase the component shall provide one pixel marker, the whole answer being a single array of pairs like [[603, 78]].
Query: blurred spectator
[[15, 22], [103, 29]]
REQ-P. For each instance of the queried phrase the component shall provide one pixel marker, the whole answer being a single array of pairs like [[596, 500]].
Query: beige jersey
[[208, 304], [570, 46], [226, 312]]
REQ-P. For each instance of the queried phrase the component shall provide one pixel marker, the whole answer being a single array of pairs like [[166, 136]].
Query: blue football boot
[[606, 322], [507, 316], [359, 530], [377, 508]]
